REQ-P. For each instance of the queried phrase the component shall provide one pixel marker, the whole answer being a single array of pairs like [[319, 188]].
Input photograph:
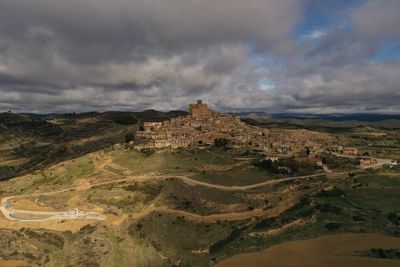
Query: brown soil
[[326, 251], [56, 225], [27, 204], [277, 231], [14, 162], [14, 263]]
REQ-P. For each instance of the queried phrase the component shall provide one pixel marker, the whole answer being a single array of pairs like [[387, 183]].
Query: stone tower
[[200, 110]]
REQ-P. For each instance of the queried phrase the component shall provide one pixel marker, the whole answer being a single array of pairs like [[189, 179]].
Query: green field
[[179, 161], [243, 175]]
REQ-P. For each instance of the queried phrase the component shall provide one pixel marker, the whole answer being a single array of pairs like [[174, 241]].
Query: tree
[[308, 152], [124, 119], [221, 142], [129, 137]]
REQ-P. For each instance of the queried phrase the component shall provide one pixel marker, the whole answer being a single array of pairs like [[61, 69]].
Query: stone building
[[353, 151], [203, 126], [200, 128], [200, 110]]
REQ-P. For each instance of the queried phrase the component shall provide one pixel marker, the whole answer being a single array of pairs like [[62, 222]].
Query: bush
[[335, 192], [221, 142], [328, 208], [382, 253], [129, 137], [333, 226], [146, 152], [219, 245], [265, 223], [335, 162], [286, 166], [394, 218], [48, 238], [124, 119]]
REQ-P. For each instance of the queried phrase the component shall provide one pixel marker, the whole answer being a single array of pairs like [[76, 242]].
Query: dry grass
[[14, 263], [14, 162], [55, 225]]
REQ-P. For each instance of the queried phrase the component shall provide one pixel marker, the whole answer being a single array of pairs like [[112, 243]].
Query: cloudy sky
[[310, 56]]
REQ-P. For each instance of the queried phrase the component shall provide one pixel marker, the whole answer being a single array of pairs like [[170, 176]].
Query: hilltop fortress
[[201, 128]]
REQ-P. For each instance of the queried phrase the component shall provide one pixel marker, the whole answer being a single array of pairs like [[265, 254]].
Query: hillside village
[[157, 196], [203, 127]]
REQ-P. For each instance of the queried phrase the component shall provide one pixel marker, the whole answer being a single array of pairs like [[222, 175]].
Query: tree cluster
[[286, 166], [221, 142]]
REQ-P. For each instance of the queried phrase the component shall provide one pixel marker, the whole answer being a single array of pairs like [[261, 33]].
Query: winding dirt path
[[7, 211], [190, 181]]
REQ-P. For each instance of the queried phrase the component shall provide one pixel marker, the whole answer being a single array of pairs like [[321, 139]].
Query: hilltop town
[[204, 127], [188, 188], [199, 133]]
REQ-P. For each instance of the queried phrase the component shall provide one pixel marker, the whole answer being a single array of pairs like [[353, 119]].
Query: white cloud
[[315, 34]]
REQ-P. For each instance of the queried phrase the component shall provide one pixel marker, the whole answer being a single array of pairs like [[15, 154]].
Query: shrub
[[333, 226], [335, 192], [328, 208], [394, 218], [129, 137], [265, 223], [221, 142], [124, 119], [285, 166], [146, 152], [335, 162], [219, 245]]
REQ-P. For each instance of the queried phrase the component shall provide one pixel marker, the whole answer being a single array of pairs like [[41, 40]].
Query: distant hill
[[25, 124], [38, 140], [330, 117], [322, 122], [342, 117], [174, 113]]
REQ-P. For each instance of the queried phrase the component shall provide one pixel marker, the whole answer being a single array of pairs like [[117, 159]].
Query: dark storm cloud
[[80, 55], [95, 31], [131, 50]]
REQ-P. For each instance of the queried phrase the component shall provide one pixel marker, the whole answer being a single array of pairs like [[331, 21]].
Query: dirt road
[[30, 216], [10, 213]]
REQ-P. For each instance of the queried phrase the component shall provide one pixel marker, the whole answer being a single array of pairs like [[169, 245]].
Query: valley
[[138, 195], [121, 205]]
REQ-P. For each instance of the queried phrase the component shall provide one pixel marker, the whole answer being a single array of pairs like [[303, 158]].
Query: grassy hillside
[[156, 215], [186, 207], [29, 142]]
